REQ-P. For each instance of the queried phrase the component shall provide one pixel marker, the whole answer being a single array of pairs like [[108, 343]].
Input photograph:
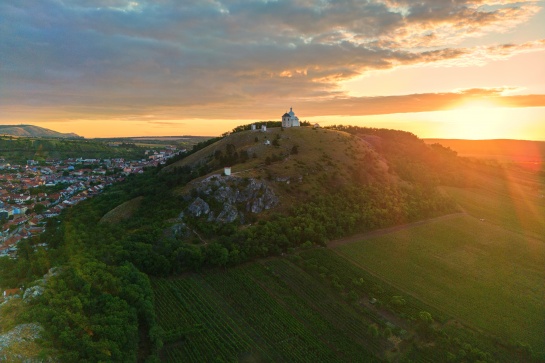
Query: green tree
[[217, 255]]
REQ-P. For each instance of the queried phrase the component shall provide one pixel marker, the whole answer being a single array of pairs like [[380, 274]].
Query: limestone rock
[[228, 215], [33, 292], [19, 336], [235, 195], [198, 207]]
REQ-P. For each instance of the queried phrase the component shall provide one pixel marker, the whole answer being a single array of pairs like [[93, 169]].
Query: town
[[32, 193]]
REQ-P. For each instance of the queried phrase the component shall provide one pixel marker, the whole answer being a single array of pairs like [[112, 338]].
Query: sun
[[478, 119], [476, 105]]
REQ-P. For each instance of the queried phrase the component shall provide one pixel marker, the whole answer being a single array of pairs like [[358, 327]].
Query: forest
[[19, 150]]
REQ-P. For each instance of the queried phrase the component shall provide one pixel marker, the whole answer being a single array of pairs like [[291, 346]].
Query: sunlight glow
[[460, 123], [479, 119]]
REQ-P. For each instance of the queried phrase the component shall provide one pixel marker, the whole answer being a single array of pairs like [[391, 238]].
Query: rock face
[[38, 289], [233, 196], [178, 230], [21, 344], [33, 292], [19, 337], [198, 208], [228, 214]]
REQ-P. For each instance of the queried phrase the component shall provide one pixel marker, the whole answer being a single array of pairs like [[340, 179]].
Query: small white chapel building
[[290, 120]]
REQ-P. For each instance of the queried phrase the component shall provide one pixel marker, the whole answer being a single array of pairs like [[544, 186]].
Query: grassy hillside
[[322, 159], [122, 212], [33, 131], [513, 199]]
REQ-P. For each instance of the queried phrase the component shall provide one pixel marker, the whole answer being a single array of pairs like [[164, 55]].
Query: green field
[[271, 312], [485, 268], [481, 274], [21, 149], [513, 199], [310, 307], [522, 215]]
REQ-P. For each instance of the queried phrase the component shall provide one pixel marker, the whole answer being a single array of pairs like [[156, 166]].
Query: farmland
[[485, 268], [514, 200], [312, 306], [476, 272], [251, 314]]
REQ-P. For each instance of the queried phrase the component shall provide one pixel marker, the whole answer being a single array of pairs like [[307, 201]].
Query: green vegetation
[[249, 313], [91, 312], [11, 348], [123, 211], [156, 284], [9, 314], [486, 267], [511, 198], [477, 272], [158, 142], [312, 307], [19, 150]]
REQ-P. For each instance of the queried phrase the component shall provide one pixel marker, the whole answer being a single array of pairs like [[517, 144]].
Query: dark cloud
[[105, 57]]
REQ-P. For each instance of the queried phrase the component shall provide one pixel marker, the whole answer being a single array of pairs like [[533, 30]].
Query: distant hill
[[501, 149], [34, 131]]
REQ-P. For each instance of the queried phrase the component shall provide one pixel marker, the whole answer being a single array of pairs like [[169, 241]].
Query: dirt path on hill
[[380, 232]]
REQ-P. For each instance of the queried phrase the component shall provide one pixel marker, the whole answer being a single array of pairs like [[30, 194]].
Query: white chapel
[[290, 120]]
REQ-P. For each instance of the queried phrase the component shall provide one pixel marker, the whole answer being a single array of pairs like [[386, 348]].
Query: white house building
[[290, 120]]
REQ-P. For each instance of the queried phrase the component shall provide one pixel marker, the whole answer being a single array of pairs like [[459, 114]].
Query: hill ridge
[[27, 130]]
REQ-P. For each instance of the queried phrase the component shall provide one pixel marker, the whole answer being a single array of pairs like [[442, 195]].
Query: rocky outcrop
[[33, 292], [233, 197], [13, 343], [198, 208], [178, 230], [39, 285], [228, 214]]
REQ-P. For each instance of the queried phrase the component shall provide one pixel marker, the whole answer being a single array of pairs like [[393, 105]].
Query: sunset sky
[[437, 68]]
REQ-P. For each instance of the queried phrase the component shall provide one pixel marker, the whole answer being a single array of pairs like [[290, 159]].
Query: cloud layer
[[120, 58]]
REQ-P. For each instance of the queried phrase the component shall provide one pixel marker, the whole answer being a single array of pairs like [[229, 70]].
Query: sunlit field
[[485, 268]]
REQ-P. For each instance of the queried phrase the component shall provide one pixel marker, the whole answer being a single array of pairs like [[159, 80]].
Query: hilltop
[[304, 162], [34, 131], [299, 162]]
